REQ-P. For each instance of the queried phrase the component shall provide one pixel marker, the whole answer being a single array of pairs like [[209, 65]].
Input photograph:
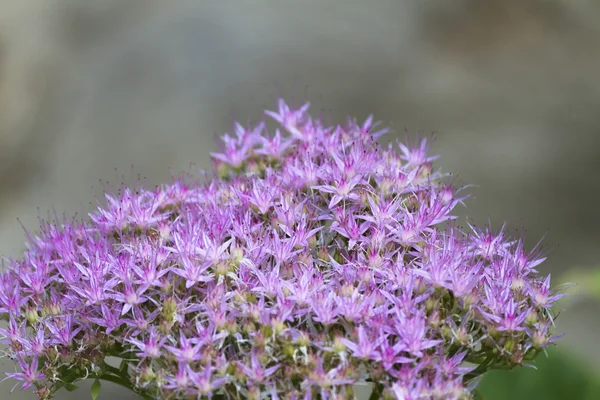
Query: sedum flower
[[311, 259], [30, 374]]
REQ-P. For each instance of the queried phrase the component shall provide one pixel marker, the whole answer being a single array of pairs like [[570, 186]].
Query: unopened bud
[[32, 315], [146, 374], [338, 345], [303, 340], [277, 325], [531, 318]]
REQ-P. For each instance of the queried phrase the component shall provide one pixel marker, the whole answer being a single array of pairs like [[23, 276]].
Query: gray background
[[512, 87]]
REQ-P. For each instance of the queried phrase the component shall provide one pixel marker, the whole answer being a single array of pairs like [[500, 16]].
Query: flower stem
[[115, 376]]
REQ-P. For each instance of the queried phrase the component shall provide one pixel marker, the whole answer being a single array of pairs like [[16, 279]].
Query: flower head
[[313, 258]]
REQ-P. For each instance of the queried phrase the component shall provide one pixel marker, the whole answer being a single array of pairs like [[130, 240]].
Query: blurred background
[[93, 91]]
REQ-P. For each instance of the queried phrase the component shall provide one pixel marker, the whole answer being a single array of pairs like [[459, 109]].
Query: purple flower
[[12, 300], [36, 345], [342, 188], [204, 382], [130, 296], [30, 374], [109, 318], [416, 156], [324, 307], [310, 259], [15, 331], [411, 391], [274, 146], [180, 380], [327, 379], [188, 350], [412, 332], [256, 372], [290, 119], [391, 354], [367, 346], [151, 347], [542, 294], [236, 149], [63, 330]]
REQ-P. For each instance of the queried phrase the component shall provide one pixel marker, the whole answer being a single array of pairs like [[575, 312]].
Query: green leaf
[[70, 387], [95, 390], [123, 366]]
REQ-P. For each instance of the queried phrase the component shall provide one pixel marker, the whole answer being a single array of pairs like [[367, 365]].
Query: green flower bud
[[32, 315]]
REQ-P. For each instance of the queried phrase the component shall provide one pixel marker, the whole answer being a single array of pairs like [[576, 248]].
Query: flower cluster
[[313, 260]]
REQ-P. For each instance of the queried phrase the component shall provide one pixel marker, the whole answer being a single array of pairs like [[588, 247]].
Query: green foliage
[[70, 387], [558, 377], [587, 281], [477, 395], [95, 389]]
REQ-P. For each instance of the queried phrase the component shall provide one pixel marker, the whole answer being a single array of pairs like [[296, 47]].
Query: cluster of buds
[[314, 259]]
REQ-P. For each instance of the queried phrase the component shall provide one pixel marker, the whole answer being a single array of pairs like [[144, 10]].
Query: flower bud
[[55, 308], [434, 319], [43, 393], [237, 254], [146, 374], [447, 195], [303, 340], [421, 286], [166, 286], [446, 332], [532, 318], [517, 284], [260, 339], [509, 345], [517, 357], [338, 345], [253, 393], [462, 336], [278, 326], [32, 315], [165, 327], [539, 339], [169, 309], [232, 327], [323, 254], [346, 290], [430, 304], [470, 299], [221, 268], [289, 351], [493, 332]]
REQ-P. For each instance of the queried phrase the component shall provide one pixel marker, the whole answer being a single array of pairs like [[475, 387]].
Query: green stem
[[114, 371], [377, 391], [483, 367], [121, 378], [125, 383]]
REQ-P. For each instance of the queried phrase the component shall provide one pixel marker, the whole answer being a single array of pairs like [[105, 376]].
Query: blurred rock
[[511, 86]]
